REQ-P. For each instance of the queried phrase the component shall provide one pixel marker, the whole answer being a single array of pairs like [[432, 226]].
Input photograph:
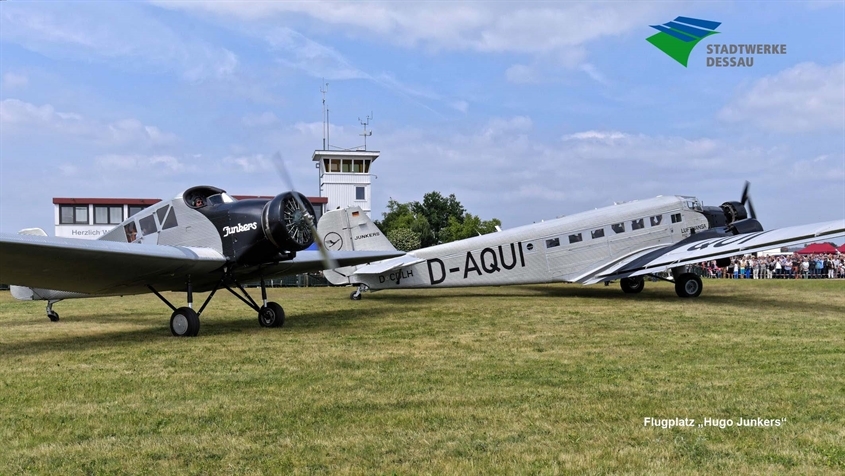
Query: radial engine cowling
[[734, 211], [285, 224]]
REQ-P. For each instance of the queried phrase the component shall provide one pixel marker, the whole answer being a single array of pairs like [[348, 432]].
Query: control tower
[[345, 177]]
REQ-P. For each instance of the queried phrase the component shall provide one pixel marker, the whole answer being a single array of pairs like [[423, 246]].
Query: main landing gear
[[185, 322], [687, 285], [632, 285]]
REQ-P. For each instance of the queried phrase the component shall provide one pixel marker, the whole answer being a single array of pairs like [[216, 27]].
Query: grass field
[[513, 380]]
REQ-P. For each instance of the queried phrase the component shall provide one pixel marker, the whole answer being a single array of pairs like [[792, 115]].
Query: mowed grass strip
[[512, 380]]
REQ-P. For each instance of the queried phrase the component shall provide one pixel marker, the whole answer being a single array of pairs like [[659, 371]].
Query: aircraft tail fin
[[350, 229], [24, 293]]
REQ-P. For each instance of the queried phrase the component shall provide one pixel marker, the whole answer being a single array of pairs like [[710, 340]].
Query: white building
[[345, 177], [92, 218]]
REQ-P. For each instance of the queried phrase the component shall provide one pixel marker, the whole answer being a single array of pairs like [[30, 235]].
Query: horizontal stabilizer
[[389, 265]]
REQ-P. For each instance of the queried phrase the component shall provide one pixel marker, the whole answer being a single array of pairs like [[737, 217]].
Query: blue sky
[[526, 111]]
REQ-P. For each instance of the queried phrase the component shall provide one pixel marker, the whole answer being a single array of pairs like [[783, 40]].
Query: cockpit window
[[215, 199], [693, 205]]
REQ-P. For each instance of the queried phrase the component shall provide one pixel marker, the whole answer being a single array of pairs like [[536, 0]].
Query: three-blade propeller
[[747, 198], [279, 163]]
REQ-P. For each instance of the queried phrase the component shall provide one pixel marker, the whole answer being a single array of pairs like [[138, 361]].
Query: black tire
[[355, 296], [271, 315], [632, 285], [53, 316], [184, 322], [688, 285]]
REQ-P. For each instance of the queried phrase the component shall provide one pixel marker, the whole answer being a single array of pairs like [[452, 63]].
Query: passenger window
[[655, 220], [575, 238], [552, 242], [597, 233], [618, 227], [676, 218], [148, 225], [637, 224], [170, 221]]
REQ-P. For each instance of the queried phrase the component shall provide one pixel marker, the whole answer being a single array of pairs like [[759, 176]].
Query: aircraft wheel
[[632, 285], [184, 322], [356, 295], [271, 315], [688, 285], [53, 316]]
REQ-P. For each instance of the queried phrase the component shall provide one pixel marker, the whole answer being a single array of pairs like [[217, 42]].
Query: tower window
[[360, 193]]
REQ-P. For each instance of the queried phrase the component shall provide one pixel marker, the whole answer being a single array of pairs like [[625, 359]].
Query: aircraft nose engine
[[285, 224]]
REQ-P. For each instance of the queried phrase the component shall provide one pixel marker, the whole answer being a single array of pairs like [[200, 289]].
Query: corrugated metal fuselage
[[551, 251]]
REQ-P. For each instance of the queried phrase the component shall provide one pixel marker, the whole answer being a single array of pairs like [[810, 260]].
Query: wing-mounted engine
[[284, 222]]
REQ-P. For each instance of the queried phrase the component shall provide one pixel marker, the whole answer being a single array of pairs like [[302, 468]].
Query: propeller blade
[[746, 197], [745, 193], [279, 162]]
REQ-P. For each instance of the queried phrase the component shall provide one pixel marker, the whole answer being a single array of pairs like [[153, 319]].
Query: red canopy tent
[[818, 248], [841, 249]]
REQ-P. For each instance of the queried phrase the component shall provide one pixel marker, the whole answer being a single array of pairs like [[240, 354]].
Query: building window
[[108, 215], [676, 218], [335, 165], [552, 242], [655, 220], [346, 166], [637, 224], [73, 214], [360, 193], [366, 166], [358, 166], [618, 227], [133, 209], [597, 233], [575, 238]]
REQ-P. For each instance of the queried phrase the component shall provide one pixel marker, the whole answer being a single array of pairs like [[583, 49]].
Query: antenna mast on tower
[[365, 124], [324, 89]]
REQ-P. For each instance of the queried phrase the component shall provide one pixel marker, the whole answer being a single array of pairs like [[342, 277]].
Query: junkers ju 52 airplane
[[200, 241], [625, 241]]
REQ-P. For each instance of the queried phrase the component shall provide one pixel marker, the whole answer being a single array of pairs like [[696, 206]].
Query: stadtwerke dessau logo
[[678, 37]]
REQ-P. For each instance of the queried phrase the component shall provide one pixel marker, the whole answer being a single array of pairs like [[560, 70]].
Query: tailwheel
[[688, 285], [271, 315], [184, 322], [632, 285]]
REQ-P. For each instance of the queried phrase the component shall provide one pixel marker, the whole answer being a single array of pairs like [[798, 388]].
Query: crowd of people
[[795, 266]]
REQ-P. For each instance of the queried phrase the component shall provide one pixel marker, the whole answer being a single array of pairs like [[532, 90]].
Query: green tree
[[471, 226], [437, 210], [404, 239], [437, 219]]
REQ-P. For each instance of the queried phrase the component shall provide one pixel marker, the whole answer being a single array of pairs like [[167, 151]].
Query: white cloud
[[25, 119], [460, 106], [123, 35], [487, 27], [806, 97], [260, 120], [249, 163], [136, 162], [14, 80]]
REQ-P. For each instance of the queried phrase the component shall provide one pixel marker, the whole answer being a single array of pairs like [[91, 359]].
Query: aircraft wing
[[651, 260], [97, 266], [308, 261]]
